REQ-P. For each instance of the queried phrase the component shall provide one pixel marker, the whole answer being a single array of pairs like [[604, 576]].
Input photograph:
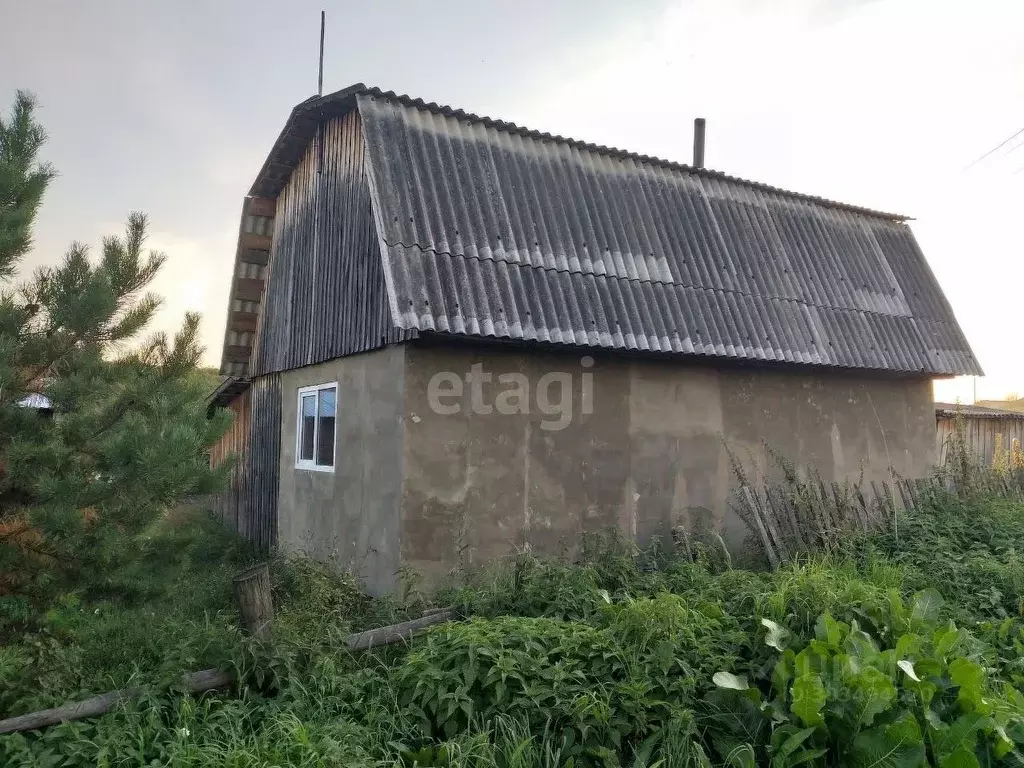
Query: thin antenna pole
[[320, 70], [320, 92]]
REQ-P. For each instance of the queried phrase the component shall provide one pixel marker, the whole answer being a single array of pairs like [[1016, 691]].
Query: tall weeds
[[625, 657]]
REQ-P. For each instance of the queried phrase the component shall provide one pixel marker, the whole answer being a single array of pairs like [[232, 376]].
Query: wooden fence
[[807, 516], [982, 435], [229, 504]]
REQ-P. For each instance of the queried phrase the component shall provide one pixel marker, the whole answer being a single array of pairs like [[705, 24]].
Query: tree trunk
[[197, 682], [397, 632], [255, 604], [208, 679]]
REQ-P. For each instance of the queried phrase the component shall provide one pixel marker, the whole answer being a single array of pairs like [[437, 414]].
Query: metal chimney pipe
[[698, 142]]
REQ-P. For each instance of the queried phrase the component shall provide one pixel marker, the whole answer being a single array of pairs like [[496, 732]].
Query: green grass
[[606, 662]]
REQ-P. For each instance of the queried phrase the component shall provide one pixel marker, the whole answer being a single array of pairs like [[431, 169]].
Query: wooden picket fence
[[813, 515]]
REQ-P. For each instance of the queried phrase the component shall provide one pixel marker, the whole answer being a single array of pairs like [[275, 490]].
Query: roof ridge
[[511, 127], [314, 107]]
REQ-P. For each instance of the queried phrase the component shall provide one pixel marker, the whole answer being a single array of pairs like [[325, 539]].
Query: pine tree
[[23, 180], [128, 434]]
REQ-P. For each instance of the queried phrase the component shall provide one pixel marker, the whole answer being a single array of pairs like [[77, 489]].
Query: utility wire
[[995, 149], [1015, 147]]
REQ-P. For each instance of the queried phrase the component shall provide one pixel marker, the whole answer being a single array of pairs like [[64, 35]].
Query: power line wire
[[996, 148], [1015, 147]]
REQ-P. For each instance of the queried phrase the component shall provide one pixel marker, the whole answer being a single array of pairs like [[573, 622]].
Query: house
[[474, 338], [985, 429]]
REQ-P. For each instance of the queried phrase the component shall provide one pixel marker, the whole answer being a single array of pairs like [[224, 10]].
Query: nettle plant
[[904, 689], [622, 685]]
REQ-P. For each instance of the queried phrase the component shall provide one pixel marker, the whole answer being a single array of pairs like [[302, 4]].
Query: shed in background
[[981, 425]]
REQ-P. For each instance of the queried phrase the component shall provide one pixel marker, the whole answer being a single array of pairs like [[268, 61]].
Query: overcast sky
[[171, 107]]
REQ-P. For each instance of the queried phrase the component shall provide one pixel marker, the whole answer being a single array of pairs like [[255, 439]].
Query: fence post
[[255, 603]]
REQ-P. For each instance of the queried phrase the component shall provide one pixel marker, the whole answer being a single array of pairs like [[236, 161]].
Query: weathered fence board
[[787, 520]]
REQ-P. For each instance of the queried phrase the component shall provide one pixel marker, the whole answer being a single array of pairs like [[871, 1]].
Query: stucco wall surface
[[645, 445], [349, 517]]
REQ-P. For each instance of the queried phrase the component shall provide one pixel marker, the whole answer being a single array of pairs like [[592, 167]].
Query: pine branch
[[23, 181]]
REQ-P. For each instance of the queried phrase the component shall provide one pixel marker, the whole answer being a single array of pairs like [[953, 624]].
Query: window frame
[[315, 389]]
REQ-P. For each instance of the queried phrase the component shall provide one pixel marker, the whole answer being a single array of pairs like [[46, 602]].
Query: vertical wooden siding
[[326, 296], [229, 503], [249, 504], [981, 435], [258, 522]]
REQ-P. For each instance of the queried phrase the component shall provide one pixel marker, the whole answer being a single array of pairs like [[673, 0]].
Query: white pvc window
[[315, 427]]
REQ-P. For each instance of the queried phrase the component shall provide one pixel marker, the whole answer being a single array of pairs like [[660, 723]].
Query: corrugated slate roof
[[36, 400], [491, 230], [308, 115], [951, 410]]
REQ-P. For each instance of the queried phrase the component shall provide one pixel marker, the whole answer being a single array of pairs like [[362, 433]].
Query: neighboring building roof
[[488, 229], [36, 400], [950, 410], [1003, 405]]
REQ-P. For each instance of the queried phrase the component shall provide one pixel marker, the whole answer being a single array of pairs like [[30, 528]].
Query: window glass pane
[[325, 436], [307, 422]]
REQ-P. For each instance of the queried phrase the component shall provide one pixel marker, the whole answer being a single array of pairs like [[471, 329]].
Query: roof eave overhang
[[298, 130], [226, 392]]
